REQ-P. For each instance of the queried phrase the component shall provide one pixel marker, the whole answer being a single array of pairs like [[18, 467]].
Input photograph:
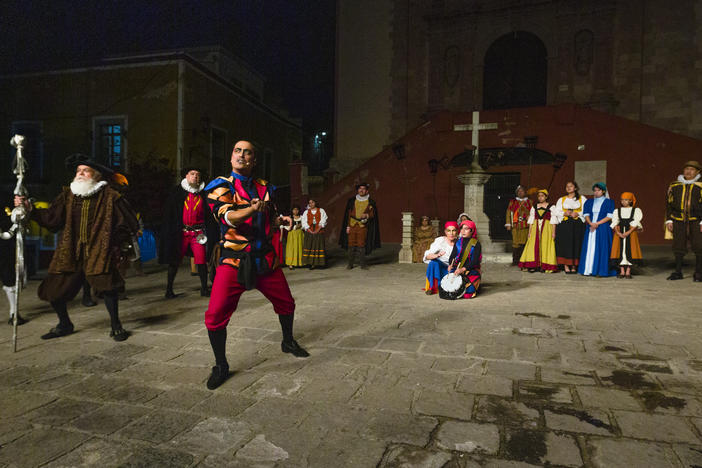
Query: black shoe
[[364, 267], [218, 376], [88, 301], [620, 276], [119, 335], [20, 320], [676, 275], [204, 292], [57, 332], [294, 348], [349, 266], [170, 294], [697, 278]]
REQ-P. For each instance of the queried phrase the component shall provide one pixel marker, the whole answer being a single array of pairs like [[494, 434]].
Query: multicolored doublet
[[246, 244], [247, 258]]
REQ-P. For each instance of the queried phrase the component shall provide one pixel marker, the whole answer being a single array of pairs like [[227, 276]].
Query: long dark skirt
[[569, 241], [313, 252]]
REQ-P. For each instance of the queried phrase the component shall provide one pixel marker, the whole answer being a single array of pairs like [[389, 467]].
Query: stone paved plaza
[[539, 370]]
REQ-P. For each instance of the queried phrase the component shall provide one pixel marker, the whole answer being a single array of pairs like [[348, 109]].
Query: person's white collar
[[79, 188], [521, 199], [682, 179], [360, 198], [189, 188]]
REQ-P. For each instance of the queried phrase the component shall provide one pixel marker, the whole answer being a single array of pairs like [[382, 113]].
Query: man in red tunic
[[516, 222], [188, 226], [247, 218]]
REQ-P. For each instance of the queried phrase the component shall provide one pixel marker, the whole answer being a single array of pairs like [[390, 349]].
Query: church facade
[[399, 62]]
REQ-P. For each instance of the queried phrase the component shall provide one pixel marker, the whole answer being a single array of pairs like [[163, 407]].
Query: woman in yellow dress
[[540, 250], [423, 237], [293, 246]]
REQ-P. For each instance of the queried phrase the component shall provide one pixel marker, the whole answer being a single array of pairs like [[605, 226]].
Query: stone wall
[[638, 59]]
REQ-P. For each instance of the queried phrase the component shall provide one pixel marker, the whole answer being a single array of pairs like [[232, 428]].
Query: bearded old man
[[95, 221]]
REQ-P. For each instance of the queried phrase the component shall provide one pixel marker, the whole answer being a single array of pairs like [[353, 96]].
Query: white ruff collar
[[90, 192], [682, 179], [360, 198], [521, 199], [186, 186]]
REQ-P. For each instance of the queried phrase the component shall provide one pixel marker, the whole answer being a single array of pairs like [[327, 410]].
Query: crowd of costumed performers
[[577, 235]]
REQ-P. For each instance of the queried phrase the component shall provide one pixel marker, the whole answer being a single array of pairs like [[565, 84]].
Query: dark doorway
[[515, 72], [499, 190]]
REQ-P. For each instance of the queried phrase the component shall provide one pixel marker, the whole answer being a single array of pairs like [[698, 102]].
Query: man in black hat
[[684, 218], [360, 232], [95, 222], [188, 226]]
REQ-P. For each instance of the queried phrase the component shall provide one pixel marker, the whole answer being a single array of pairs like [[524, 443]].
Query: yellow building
[[168, 110]]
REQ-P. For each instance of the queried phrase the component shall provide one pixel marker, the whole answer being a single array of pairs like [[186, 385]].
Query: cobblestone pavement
[[539, 370]]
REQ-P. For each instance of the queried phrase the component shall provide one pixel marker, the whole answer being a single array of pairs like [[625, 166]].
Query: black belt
[[194, 227]]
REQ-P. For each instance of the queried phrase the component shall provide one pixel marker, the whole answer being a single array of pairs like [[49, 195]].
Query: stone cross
[[475, 127], [474, 180]]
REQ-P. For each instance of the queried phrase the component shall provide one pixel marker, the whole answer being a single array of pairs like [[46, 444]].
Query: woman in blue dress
[[597, 245]]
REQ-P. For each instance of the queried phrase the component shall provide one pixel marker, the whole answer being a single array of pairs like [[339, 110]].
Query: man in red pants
[[244, 209]]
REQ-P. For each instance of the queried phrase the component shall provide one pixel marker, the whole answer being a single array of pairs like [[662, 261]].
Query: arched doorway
[[515, 72]]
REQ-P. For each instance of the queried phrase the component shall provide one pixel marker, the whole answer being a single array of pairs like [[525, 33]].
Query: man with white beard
[[95, 221]]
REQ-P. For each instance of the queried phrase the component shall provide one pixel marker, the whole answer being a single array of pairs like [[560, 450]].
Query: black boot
[[351, 254], [289, 345], [364, 259], [220, 372], [698, 269], [202, 272], [172, 271], [112, 304], [87, 300], [677, 274], [64, 327]]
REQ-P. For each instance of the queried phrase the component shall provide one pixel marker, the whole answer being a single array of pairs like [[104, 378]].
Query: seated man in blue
[[437, 257], [466, 257]]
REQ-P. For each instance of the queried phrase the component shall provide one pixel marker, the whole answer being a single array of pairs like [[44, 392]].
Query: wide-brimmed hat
[[79, 159], [694, 164]]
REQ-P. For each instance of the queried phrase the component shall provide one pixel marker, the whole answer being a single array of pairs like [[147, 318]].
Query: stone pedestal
[[474, 181], [406, 250]]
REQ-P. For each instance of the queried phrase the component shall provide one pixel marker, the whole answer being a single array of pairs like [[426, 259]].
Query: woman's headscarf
[[450, 224], [600, 185], [472, 226], [544, 191], [458, 221], [629, 196]]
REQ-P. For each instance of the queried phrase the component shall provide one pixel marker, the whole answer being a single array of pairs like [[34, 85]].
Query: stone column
[[435, 224], [406, 250], [474, 181]]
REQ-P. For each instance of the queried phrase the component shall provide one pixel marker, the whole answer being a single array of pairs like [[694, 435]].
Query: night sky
[[291, 42]]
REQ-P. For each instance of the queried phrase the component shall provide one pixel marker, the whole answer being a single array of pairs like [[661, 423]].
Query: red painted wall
[[640, 159]]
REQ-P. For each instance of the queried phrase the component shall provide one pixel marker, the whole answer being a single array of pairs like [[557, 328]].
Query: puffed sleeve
[[615, 219], [324, 218], [434, 247], [557, 212], [608, 206], [221, 200], [532, 216], [305, 226], [638, 216]]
